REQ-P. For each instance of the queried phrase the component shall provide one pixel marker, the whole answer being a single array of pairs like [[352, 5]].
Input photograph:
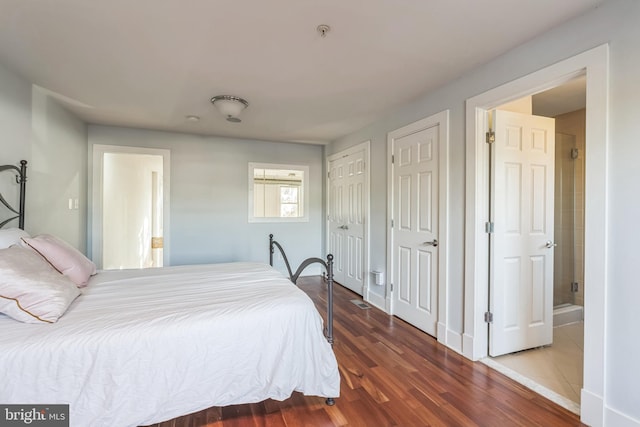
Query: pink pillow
[[63, 257], [31, 290]]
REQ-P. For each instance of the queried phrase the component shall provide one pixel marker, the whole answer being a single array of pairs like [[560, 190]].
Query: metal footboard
[[328, 265]]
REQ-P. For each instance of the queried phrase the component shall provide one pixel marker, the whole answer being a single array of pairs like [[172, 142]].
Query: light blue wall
[[15, 118], [57, 172], [209, 195], [35, 128], [616, 23]]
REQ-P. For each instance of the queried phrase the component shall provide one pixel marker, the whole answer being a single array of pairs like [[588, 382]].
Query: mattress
[[143, 346]]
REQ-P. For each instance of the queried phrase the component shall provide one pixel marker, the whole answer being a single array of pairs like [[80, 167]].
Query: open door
[[521, 243]]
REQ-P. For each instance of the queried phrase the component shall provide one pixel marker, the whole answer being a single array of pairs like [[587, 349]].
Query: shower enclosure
[[569, 230]]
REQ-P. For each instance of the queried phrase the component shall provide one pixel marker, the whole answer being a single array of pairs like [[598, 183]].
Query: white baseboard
[[454, 341], [376, 300], [449, 338], [618, 419]]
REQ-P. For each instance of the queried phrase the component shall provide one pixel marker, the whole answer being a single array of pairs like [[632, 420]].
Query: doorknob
[[550, 244], [433, 243]]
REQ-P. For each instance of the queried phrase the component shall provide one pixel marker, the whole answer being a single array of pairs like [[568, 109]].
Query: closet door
[[347, 219]]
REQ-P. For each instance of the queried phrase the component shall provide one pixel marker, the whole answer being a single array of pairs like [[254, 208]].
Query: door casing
[[593, 63]]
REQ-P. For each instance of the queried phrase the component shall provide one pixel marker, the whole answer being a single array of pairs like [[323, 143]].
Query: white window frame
[[304, 188]]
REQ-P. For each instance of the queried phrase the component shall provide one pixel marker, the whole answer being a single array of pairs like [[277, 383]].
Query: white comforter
[[143, 346]]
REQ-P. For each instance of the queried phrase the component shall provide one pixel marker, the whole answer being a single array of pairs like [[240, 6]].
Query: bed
[[137, 347]]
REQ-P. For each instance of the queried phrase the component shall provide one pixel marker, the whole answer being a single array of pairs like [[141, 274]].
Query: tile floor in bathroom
[[557, 367]]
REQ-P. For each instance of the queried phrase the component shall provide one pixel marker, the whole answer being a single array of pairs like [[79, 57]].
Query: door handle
[[550, 244], [344, 227], [433, 243]]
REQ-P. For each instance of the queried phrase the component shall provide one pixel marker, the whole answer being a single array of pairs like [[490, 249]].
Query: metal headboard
[[21, 179]]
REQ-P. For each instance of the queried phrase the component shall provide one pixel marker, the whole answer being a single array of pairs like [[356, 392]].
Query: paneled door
[[414, 232], [521, 244], [347, 219]]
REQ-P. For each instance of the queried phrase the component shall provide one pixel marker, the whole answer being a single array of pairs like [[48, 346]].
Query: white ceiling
[[570, 96], [150, 63]]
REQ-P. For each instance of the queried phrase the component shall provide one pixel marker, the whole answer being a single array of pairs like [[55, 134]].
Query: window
[[278, 193]]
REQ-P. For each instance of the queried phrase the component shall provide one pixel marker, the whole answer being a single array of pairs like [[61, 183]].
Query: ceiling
[[151, 63], [570, 96]]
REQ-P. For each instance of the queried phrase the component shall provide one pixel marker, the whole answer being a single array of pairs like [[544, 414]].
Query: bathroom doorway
[[130, 207], [556, 370]]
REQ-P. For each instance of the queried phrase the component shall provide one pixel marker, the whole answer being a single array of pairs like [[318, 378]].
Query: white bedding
[[143, 346]]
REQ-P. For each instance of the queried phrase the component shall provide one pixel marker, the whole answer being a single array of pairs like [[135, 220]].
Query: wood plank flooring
[[393, 375]]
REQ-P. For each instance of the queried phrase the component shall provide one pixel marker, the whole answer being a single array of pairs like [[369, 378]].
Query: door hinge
[[574, 287], [391, 285], [491, 137], [391, 223], [488, 317], [488, 227], [393, 158]]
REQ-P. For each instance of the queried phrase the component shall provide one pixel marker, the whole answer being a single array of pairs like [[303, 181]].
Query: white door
[[521, 245], [346, 219], [415, 228]]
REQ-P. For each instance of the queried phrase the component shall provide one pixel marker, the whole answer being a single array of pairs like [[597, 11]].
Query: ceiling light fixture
[[230, 106]]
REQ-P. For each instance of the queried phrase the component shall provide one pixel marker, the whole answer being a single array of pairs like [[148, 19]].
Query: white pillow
[[63, 257], [11, 236], [31, 290]]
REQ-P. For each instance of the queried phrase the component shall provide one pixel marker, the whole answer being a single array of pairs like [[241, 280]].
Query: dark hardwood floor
[[394, 375]]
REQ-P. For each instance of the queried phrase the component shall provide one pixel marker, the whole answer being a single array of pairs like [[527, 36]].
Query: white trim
[[376, 300], [594, 63], [441, 120], [96, 174], [613, 417], [305, 192], [365, 146], [591, 407]]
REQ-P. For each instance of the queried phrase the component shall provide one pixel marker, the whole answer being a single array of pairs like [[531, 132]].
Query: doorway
[[130, 207], [554, 368], [593, 64]]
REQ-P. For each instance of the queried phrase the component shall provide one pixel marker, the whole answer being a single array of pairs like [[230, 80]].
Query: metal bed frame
[[21, 179], [328, 265]]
